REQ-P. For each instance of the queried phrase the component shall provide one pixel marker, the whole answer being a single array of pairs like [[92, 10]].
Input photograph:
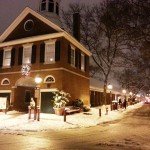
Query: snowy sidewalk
[[17, 121]]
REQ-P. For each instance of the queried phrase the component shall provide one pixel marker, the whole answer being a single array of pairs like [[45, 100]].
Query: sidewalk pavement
[[17, 121]]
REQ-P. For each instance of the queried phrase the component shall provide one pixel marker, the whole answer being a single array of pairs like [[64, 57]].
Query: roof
[[61, 32]]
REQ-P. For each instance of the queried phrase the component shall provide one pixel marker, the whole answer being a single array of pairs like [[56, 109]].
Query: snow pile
[[19, 121]]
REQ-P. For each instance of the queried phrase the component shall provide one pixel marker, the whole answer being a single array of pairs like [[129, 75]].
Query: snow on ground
[[17, 121]]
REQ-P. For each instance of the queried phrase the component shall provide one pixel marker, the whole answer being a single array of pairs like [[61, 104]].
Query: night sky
[[10, 9]]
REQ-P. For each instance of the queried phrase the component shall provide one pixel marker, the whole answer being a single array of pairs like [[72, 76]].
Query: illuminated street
[[131, 132]]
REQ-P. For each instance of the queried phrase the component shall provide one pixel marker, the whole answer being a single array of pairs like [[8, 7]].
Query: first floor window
[[7, 57]]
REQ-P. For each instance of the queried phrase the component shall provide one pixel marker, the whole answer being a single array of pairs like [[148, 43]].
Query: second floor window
[[27, 51], [51, 6], [82, 62], [72, 56], [7, 57], [50, 51]]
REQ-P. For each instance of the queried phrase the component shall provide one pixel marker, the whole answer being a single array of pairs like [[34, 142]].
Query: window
[[7, 57], [43, 5], [5, 82], [49, 79], [27, 51], [57, 8], [82, 62], [50, 51], [72, 55], [51, 6]]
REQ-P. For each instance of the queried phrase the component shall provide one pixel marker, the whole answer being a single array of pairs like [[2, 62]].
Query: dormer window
[[51, 6], [43, 5]]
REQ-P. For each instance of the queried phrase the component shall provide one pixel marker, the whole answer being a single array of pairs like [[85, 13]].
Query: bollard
[[29, 112], [100, 112], [35, 113], [38, 114], [64, 115]]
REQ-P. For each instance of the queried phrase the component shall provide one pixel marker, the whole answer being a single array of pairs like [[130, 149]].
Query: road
[[130, 133]]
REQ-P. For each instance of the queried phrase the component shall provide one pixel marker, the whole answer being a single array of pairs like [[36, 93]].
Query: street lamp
[[37, 80], [109, 86]]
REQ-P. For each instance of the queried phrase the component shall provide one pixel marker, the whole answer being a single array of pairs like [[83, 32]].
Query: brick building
[[44, 50]]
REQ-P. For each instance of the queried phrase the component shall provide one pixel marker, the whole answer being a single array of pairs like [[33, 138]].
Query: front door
[[46, 102]]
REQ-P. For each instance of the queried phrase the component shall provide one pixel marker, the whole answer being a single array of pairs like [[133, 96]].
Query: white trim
[[24, 13], [48, 70], [5, 91], [47, 37], [48, 90]]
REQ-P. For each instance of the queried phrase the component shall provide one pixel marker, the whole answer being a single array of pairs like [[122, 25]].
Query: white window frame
[[72, 56], [27, 47], [50, 43], [82, 61], [7, 49], [2, 82], [49, 76]]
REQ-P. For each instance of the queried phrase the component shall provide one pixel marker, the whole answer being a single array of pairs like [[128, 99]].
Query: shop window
[[5, 82]]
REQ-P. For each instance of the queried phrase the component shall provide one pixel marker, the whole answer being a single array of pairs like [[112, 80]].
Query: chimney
[[76, 26]]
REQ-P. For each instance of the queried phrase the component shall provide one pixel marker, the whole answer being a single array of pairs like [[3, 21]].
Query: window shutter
[[13, 56], [86, 63], [79, 59], [33, 56], [20, 55], [76, 57], [69, 54], [1, 57], [42, 52], [57, 51]]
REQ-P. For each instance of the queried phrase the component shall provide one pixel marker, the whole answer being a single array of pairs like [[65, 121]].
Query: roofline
[[46, 37], [23, 14]]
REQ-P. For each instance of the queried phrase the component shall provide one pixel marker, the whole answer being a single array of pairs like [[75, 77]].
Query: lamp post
[[38, 80], [110, 88]]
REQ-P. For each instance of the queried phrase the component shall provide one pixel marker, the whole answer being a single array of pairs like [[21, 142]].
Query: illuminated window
[[50, 51], [5, 82], [72, 56], [49, 79], [7, 57], [82, 62], [27, 51]]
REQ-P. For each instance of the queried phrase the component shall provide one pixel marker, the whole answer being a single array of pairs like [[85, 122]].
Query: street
[[130, 133]]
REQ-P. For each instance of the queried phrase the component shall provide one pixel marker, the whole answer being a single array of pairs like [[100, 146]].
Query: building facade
[[34, 46]]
